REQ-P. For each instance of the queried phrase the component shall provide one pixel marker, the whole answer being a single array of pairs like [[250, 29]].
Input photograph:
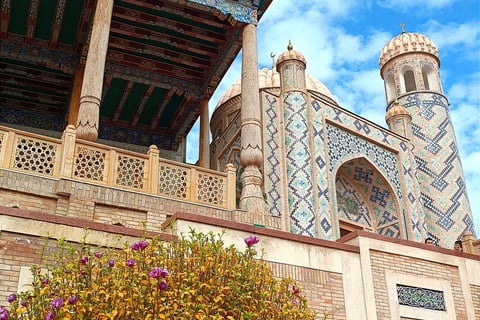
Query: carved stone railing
[[71, 158]]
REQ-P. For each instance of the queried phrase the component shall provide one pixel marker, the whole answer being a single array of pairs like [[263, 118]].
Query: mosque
[[93, 122]]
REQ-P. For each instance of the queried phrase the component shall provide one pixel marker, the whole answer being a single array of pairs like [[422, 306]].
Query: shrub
[[196, 277]]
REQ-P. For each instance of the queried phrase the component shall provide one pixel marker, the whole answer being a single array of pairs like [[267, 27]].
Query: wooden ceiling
[[163, 58]]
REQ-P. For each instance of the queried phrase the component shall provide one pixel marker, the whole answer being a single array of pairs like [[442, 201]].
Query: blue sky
[[341, 41]]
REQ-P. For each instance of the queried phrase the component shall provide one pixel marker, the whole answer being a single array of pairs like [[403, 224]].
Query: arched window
[[431, 79], [390, 87], [409, 78]]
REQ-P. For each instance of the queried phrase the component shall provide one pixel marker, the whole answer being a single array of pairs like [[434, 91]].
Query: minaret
[[291, 66], [409, 66]]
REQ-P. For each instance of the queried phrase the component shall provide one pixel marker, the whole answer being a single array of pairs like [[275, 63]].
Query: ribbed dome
[[396, 110], [404, 43], [291, 54], [268, 78]]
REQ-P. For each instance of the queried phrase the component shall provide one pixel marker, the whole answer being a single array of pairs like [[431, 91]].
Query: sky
[[342, 40]]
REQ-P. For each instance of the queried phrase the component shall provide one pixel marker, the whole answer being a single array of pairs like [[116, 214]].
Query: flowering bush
[[196, 277]]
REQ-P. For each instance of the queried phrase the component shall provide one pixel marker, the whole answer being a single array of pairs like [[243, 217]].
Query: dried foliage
[[196, 277]]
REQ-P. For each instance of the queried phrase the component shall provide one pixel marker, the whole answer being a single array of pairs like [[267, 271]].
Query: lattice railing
[[31, 153], [95, 163]]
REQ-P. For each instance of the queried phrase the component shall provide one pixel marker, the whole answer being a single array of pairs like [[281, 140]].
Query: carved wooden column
[[75, 97], [251, 155], [204, 150], [88, 115]]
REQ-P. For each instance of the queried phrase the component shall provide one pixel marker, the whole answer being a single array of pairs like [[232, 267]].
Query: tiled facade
[[320, 159]]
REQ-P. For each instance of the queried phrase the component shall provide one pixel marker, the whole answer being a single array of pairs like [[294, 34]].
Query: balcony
[[87, 180]]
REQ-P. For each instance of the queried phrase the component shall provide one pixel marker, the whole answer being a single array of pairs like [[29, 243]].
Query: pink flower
[[130, 263], [84, 260], [163, 286], [45, 281], [139, 245], [3, 313], [251, 240], [111, 263], [296, 290], [56, 303], [98, 254], [12, 297], [158, 272], [72, 299], [49, 316]]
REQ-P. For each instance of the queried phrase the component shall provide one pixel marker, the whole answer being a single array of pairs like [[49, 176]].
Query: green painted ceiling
[[162, 59]]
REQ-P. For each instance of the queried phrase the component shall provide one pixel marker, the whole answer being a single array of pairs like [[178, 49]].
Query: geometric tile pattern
[[342, 145], [439, 168], [272, 155], [321, 172], [420, 297], [410, 212], [299, 169], [365, 197]]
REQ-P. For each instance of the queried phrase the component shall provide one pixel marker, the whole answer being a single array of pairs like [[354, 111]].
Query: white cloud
[[403, 5], [454, 36]]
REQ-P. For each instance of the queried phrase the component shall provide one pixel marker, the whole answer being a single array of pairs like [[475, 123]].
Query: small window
[[410, 84]]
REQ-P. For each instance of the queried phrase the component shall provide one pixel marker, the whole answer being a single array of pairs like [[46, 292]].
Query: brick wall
[[475, 290], [322, 289], [27, 201], [95, 202], [382, 261], [17, 250]]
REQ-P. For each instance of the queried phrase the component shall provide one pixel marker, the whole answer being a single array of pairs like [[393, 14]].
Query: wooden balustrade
[[71, 158]]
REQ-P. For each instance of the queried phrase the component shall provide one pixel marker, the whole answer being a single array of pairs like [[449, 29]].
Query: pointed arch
[[365, 200]]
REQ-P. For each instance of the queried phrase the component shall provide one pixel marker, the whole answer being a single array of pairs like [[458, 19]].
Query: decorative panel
[[273, 156], [420, 297], [173, 181], [35, 155], [299, 169], [211, 188], [130, 172], [90, 163]]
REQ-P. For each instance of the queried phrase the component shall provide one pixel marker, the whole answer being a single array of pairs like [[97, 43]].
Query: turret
[[409, 66]]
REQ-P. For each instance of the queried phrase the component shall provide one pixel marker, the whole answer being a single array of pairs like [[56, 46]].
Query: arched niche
[[430, 79], [390, 87], [409, 80], [365, 200]]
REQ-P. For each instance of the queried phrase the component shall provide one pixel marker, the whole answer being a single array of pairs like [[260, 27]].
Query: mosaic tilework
[[238, 11], [351, 204], [360, 185], [224, 139], [406, 168], [342, 145], [231, 155], [321, 184], [420, 297], [272, 155], [439, 168], [299, 171]]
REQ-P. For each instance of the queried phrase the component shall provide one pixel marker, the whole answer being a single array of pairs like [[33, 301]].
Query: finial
[[402, 25], [397, 103], [272, 55], [289, 47]]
